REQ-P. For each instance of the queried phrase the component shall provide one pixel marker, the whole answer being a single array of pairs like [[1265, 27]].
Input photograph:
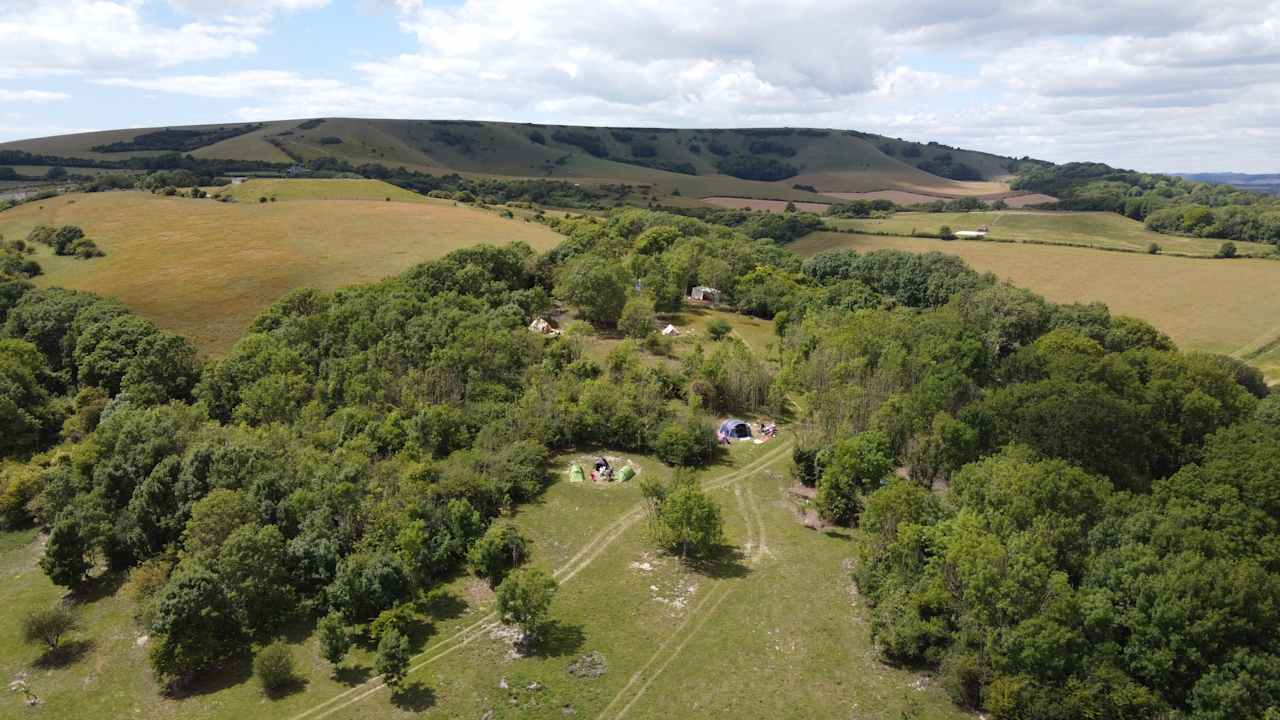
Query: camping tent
[[670, 330], [734, 429], [704, 293]]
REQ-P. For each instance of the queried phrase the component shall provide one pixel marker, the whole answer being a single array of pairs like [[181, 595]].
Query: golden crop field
[[205, 269], [1223, 306]]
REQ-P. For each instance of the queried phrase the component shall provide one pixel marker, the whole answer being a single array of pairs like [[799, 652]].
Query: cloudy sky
[[1158, 85]]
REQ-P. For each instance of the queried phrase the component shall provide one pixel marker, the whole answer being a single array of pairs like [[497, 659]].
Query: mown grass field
[[253, 190], [776, 630], [205, 269], [1222, 306], [1098, 229]]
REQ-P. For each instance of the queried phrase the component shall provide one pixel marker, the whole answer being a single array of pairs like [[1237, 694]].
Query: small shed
[[704, 294]]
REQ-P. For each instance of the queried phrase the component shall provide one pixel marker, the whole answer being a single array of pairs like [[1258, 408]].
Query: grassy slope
[[1100, 229], [251, 191], [779, 633], [204, 269], [836, 162], [1220, 306]]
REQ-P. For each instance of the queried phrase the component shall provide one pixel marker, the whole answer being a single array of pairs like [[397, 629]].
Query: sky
[[1155, 85]]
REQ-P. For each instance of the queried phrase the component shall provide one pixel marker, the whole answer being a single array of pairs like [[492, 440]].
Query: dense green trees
[[524, 599]]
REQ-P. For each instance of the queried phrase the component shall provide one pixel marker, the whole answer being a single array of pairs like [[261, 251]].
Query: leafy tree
[[214, 518], [251, 566], [196, 624], [399, 619], [498, 551], [392, 661], [48, 625], [335, 641], [66, 555], [686, 441], [28, 414], [367, 584], [1226, 250], [524, 598], [597, 288], [274, 667], [946, 233], [636, 320], [688, 522], [851, 470]]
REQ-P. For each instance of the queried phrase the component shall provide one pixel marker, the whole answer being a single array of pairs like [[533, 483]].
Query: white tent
[[670, 330], [707, 294]]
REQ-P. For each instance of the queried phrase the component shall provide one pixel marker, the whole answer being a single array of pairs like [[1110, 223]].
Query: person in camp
[[602, 471]]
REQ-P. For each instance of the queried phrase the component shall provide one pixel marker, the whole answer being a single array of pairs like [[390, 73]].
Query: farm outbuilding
[[704, 293]]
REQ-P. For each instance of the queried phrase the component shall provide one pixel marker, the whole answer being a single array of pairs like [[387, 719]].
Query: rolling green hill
[[758, 162]]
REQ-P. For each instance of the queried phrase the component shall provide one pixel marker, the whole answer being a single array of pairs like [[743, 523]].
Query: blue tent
[[735, 429]]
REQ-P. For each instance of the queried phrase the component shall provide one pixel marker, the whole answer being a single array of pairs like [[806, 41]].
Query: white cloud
[[61, 35], [1149, 83], [32, 96]]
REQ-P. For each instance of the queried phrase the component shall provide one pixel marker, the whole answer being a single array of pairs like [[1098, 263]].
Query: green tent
[[575, 473], [626, 473]]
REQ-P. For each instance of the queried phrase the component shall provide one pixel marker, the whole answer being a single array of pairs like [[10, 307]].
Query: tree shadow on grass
[[64, 654], [444, 606], [414, 697], [556, 639], [98, 588], [234, 672], [295, 685], [353, 674], [725, 561], [838, 534]]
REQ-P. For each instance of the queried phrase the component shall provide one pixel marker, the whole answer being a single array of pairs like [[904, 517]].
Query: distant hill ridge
[[778, 162]]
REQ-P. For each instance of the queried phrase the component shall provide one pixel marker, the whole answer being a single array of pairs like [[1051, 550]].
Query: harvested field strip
[[776, 206], [1021, 201], [584, 557], [899, 197], [1214, 305]]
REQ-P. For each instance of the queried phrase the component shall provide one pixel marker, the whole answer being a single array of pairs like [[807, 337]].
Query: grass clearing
[[675, 642], [1095, 229], [1221, 306], [205, 269]]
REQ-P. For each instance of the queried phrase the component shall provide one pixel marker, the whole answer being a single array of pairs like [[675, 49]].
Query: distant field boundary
[[1026, 241]]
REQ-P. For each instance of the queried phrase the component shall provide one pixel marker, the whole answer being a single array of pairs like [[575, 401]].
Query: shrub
[[48, 625], [717, 328], [392, 662], [1226, 250], [687, 521], [853, 468], [274, 667], [500, 549], [686, 441], [19, 485], [1153, 249], [524, 598], [335, 641], [945, 233], [637, 316], [399, 618]]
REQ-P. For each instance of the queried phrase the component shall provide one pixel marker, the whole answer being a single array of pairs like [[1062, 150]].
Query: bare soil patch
[[777, 206]]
